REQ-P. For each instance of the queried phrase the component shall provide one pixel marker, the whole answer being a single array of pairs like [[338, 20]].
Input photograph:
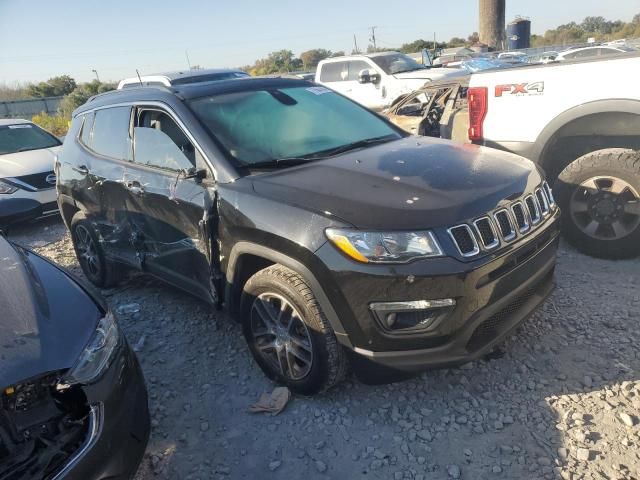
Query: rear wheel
[[288, 334], [600, 197], [95, 266]]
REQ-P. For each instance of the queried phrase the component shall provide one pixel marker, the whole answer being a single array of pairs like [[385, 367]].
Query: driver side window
[[159, 142]]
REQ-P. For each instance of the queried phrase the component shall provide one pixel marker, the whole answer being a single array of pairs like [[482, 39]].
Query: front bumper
[[493, 295], [118, 427], [24, 206]]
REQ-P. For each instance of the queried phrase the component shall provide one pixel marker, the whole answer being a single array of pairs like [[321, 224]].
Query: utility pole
[[373, 38], [186, 54], [355, 44], [96, 72]]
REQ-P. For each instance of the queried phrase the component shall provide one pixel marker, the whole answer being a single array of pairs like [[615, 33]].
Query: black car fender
[[244, 247]]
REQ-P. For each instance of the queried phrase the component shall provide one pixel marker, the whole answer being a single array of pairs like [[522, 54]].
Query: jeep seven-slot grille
[[521, 218], [548, 193], [464, 240], [542, 201], [488, 235], [533, 209], [503, 225]]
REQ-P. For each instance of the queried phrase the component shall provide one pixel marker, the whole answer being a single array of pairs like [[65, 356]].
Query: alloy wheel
[[87, 252], [281, 336], [605, 208]]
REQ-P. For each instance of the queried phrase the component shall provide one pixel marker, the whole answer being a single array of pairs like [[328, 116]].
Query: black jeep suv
[[331, 234]]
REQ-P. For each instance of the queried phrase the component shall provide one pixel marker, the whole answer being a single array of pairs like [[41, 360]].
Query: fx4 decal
[[534, 88]]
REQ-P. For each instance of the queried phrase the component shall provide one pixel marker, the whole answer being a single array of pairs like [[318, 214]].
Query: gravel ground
[[563, 401]]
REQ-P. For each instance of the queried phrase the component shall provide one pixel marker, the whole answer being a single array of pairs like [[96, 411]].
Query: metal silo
[[519, 34]]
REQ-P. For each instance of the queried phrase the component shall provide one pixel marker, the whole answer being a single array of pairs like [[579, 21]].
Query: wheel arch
[[583, 129], [247, 258]]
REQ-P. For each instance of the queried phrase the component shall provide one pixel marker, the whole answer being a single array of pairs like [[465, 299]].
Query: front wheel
[[599, 195], [288, 334]]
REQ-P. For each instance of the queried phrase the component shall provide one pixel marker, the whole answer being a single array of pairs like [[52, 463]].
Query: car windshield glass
[[24, 136], [259, 126], [396, 63]]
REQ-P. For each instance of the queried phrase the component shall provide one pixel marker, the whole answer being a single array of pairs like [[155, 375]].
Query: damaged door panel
[[438, 109], [167, 202]]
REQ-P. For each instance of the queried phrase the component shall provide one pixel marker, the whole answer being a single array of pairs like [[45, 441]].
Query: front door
[[171, 210], [367, 94]]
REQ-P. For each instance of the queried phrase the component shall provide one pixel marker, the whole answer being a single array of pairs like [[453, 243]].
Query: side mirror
[[198, 174], [368, 76]]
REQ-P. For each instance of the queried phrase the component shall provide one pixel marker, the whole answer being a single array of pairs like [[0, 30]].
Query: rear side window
[[87, 129], [334, 72], [111, 133]]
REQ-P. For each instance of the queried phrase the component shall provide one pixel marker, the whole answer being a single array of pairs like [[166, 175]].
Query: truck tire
[[288, 334], [95, 266], [599, 194]]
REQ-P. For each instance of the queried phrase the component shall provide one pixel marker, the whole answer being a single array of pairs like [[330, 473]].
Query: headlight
[[383, 247], [98, 354], [7, 188]]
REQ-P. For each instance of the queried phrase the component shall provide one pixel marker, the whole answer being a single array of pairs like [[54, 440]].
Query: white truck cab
[[375, 80]]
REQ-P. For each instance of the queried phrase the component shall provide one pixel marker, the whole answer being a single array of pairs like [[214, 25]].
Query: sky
[[40, 39]]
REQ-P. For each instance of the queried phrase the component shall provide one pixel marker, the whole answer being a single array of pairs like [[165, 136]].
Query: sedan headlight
[[7, 188], [98, 354], [384, 247]]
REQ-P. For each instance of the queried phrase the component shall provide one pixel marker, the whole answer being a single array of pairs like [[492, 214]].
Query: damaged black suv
[[334, 237]]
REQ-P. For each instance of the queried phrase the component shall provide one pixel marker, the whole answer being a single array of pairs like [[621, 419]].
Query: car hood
[[47, 319], [413, 183], [26, 163], [429, 74]]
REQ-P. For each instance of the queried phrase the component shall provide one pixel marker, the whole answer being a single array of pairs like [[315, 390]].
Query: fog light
[[405, 317]]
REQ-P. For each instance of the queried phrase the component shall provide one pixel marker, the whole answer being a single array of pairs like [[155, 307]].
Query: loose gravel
[[562, 401]]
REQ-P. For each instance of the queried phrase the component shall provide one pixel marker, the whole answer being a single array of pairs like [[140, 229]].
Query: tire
[[599, 194], [319, 361], [95, 266]]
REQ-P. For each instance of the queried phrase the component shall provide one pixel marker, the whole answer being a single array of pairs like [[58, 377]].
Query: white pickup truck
[[375, 80], [579, 120]]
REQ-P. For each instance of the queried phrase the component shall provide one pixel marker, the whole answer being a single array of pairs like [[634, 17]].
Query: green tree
[[81, 94], [457, 42], [415, 46], [54, 87], [311, 58], [473, 38], [281, 61]]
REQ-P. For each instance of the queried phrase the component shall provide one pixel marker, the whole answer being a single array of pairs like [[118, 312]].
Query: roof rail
[[116, 91]]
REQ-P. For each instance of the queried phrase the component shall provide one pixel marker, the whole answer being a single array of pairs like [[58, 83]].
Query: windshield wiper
[[291, 161], [355, 145], [278, 162]]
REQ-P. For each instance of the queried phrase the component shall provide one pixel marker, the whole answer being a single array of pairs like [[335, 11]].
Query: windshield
[[24, 136], [396, 63], [259, 126]]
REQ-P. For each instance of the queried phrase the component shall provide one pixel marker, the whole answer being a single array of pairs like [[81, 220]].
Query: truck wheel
[[288, 334], [95, 266], [599, 195]]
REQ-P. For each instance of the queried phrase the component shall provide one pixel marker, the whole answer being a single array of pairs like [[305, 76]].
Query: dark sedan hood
[[46, 319], [412, 183]]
